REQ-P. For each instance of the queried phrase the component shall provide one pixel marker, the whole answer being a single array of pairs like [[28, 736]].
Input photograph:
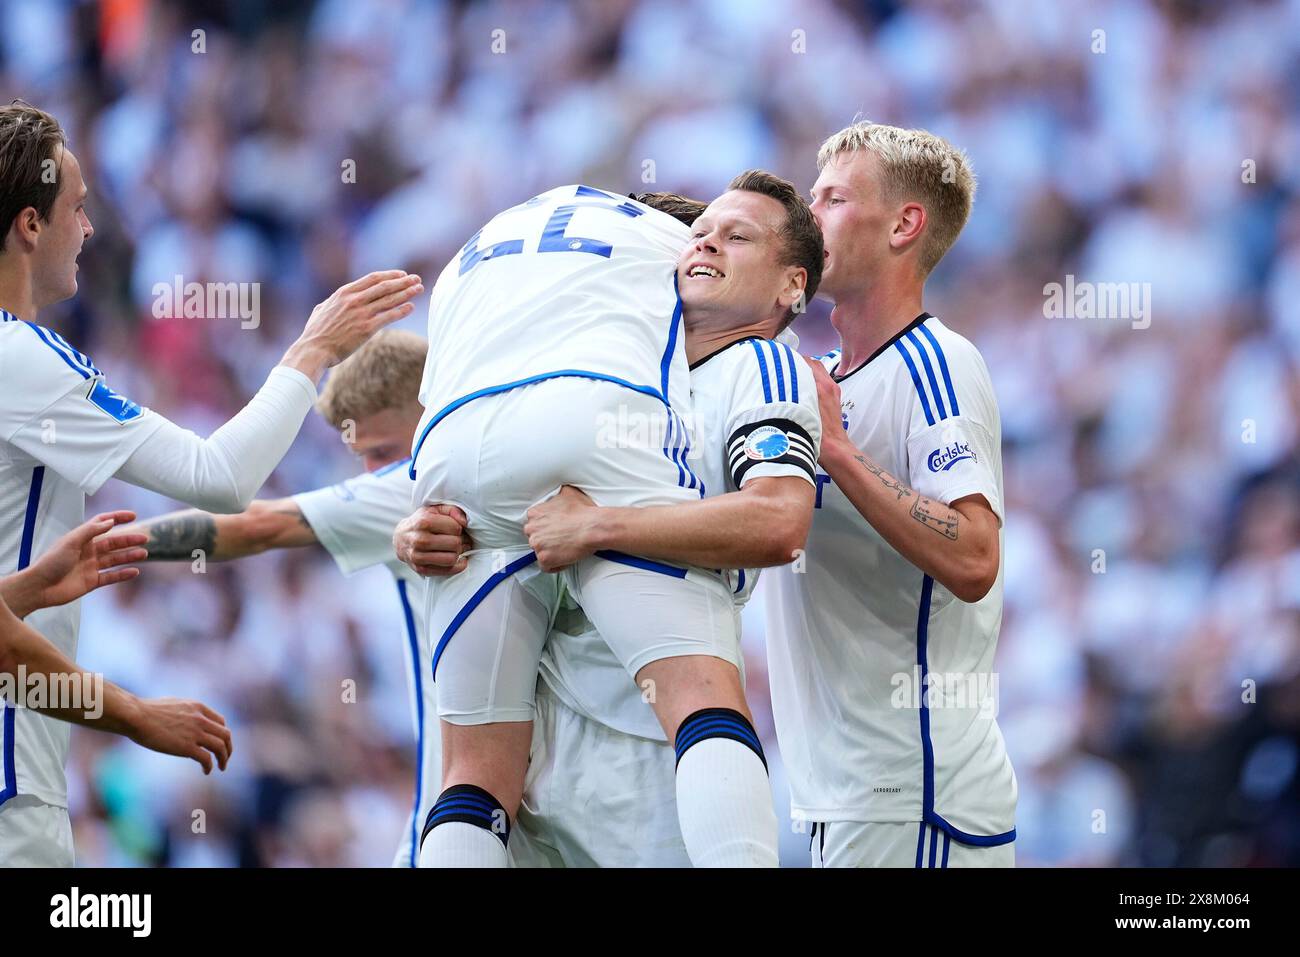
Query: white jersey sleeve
[[355, 519], [953, 442], [59, 409], [772, 425]]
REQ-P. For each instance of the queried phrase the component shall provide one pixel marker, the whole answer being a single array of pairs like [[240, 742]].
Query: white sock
[[457, 844], [724, 806]]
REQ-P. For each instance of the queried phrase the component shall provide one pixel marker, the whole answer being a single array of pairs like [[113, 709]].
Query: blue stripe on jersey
[[414, 642], [929, 374], [29, 519], [762, 368], [71, 363], [740, 584], [928, 812], [8, 316], [946, 842], [385, 469], [922, 661], [665, 364], [475, 600], [934, 844], [794, 372], [670, 449], [943, 367], [11, 777], [507, 386], [696, 481], [24, 559], [684, 446], [645, 564], [780, 372], [974, 840], [679, 457], [916, 380], [79, 356]]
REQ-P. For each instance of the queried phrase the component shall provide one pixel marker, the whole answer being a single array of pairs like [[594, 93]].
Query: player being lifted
[[64, 432], [599, 789], [559, 312]]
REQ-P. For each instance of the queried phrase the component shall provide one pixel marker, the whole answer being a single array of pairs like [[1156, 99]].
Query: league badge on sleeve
[[766, 442], [113, 403]]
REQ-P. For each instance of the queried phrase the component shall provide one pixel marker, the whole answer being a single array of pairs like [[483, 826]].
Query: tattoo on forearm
[[297, 512], [933, 515], [175, 539], [937, 516], [891, 483]]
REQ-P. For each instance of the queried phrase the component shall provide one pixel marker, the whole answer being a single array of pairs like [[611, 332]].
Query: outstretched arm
[[186, 729], [264, 525], [223, 472], [84, 559]]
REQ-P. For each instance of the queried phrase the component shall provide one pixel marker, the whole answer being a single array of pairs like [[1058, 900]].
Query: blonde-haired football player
[[881, 654], [372, 398]]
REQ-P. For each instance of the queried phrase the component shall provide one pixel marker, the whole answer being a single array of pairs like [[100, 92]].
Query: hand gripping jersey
[[883, 686], [754, 415], [63, 433], [355, 520]]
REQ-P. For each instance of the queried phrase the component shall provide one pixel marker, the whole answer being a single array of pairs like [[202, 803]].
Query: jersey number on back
[[553, 238]]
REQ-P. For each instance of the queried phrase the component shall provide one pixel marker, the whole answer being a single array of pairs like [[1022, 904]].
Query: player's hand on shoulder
[[351, 315], [560, 529], [432, 540], [829, 404], [187, 729]]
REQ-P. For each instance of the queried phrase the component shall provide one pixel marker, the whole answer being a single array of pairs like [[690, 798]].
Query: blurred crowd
[[1149, 660]]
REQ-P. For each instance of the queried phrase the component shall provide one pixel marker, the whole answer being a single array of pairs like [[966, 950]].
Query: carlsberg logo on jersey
[[941, 460]]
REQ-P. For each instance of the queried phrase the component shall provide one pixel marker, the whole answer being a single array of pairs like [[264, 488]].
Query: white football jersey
[[355, 520], [574, 282], [63, 433], [882, 682], [753, 415]]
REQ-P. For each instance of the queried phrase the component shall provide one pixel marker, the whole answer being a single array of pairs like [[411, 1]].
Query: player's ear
[[796, 281], [908, 226], [25, 229]]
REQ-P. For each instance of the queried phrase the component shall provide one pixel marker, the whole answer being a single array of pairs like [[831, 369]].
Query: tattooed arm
[[277, 523], [956, 544]]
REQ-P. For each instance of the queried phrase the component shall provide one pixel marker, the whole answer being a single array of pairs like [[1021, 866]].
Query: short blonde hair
[[918, 166], [383, 374]]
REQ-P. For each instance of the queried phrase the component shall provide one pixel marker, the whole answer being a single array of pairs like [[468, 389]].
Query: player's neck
[[869, 319], [701, 342], [16, 296]]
